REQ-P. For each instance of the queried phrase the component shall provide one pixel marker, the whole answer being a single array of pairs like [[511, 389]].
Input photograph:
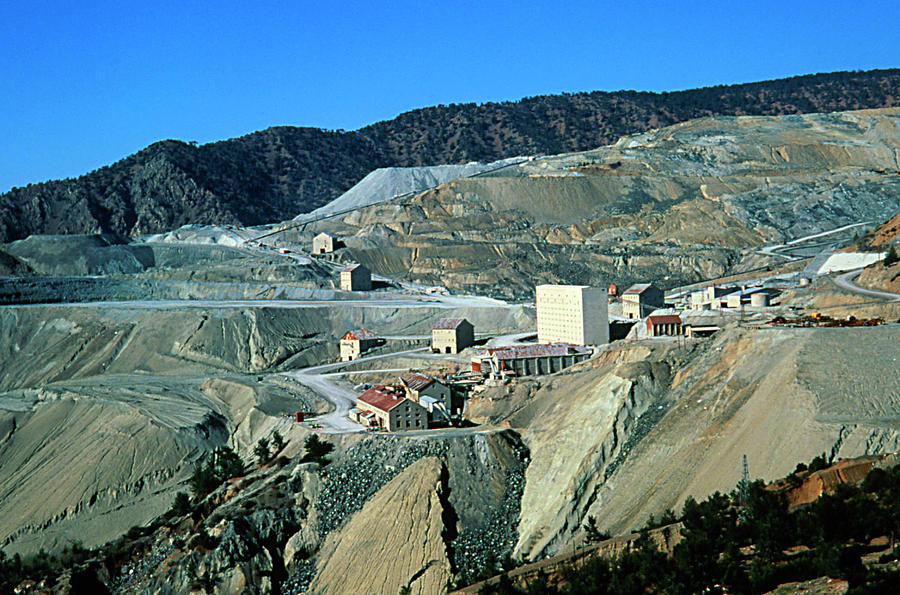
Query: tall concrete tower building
[[575, 314]]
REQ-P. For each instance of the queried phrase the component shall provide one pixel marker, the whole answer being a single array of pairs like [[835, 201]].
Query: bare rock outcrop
[[642, 427], [396, 540], [692, 201], [575, 440], [780, 396]]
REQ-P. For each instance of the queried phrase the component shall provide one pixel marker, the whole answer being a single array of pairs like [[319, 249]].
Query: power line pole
[[744, 489]]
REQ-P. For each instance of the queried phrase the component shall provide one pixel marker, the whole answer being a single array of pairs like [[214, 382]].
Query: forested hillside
[[280, 172]]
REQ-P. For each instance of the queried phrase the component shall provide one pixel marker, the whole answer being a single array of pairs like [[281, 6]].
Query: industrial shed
[[433, 395], [664, 325], [529, 360], [325, 243], [641, 299], [387, 407]]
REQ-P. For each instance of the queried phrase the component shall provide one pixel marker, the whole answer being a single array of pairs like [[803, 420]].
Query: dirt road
[[343, 399], [845, 281], [323, 380]]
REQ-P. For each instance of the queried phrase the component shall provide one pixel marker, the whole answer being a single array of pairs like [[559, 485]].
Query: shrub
[[203, 539], [592, 533], [316, 450], [182, 504], [262, 451], [891, 257], [278, 442], [223, 463], [819, 463], [877, 480]]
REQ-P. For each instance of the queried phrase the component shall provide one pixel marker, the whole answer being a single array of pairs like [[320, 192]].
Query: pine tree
[[592, 534], [891, 257], [262, 451], [277, 441], [316, 450]]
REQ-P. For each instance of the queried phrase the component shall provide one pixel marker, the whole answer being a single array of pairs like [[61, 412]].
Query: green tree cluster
[[181, 505], [261, 451], [265, 449], [592, 533], [316, 450], [221, 464], [44, 566], [714, 554], [278, 442], [891, 258]]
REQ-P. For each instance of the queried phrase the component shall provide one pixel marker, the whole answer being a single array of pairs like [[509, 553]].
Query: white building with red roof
[[452, 335], [355, 343]]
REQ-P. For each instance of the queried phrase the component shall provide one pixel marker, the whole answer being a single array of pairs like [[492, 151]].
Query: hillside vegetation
[[280, 172], [750, 541]]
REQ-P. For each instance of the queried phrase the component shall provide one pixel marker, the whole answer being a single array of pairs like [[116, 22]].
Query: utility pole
[[744, 489]]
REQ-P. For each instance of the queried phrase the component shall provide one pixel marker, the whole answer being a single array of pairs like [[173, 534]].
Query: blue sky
[[83, 84]]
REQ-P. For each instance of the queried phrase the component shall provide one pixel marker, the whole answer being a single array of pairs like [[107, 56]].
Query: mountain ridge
[[281, 171]]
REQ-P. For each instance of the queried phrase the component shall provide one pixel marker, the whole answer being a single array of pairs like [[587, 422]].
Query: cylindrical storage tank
[[759, 300]]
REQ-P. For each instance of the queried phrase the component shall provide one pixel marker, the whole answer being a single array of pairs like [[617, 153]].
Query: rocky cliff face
[[280, 172], [487, 469], [609, 403], [684, 203], [388, 512], [639, 429], [398, 539], [232, 542], [780, 396]]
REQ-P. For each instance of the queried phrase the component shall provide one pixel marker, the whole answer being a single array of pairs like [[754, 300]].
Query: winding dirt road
[[845, 281]]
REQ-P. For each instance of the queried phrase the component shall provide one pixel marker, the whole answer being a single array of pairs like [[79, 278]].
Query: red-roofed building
[[452, 335], [387, 407], [664, 325], [355, 343]]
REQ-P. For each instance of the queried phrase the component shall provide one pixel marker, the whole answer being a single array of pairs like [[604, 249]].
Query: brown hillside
[[887, 233]]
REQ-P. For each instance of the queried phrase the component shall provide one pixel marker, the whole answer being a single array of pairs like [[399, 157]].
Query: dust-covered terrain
[[646, 425], [688, 202], [124, 362]]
